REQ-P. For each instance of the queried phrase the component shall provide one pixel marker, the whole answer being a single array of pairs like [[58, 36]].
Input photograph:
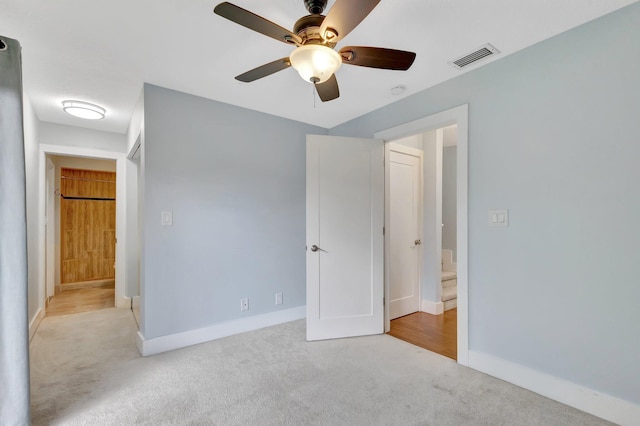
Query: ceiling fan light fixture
[[83, 110], [315, 63]]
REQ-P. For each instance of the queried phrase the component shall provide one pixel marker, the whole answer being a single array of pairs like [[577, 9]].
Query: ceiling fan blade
[[377, 57], [254, 22], [344, 16], [264, 70], [328, 90]]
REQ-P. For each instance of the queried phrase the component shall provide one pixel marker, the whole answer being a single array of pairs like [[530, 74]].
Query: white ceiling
[[102, 51]]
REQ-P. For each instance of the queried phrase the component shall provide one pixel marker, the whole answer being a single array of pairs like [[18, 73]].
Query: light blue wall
[[64, 135], [235, 182], [134, 132], [553, 137], [431, 290]]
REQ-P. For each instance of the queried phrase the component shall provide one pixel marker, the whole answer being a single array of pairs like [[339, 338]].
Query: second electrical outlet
[[244, 304]]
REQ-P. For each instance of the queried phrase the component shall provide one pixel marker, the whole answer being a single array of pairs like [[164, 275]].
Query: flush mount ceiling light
[[83, 110]]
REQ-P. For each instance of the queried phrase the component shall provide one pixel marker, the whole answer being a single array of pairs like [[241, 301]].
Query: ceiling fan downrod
[[315, 7]]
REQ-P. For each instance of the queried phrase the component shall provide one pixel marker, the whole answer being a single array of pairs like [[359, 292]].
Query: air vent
[[477, 55]]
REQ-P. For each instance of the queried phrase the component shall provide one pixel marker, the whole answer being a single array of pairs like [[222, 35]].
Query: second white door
[[404, 214]]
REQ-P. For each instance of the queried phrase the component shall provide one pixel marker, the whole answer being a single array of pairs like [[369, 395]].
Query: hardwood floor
[[81, 300], [436, 333]]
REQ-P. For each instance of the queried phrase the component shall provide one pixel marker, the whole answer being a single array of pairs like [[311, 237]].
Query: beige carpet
[[86, 371]]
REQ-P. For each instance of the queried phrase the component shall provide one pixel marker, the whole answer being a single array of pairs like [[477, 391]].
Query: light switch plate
[[166, 218], [499, 217]]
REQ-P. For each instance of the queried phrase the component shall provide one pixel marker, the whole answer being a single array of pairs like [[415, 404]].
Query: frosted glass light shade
[[83, 110], [315, 63]]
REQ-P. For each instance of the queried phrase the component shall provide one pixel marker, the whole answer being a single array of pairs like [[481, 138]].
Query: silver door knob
[[315, 248], [417, 242]]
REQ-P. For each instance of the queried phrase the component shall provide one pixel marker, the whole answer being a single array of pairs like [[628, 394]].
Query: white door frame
[[392, 146], [50, 238], [121, 300], [134, 220], [460, 116]]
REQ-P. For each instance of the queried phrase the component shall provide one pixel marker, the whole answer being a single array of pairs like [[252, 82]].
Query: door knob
[[315, 248], [417, 242]]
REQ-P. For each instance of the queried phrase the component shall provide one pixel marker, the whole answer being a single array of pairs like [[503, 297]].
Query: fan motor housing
[[308, 28], [315, 7]]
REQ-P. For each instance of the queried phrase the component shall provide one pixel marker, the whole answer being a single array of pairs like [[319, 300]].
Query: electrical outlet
[[244, 304], [278, 298]]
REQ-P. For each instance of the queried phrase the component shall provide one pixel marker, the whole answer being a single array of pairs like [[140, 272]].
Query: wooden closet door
[[87, 228]]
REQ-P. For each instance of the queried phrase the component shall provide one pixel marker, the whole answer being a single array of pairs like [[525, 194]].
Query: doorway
[[431, 320], [81, 229], [442, 316], [370, 294]]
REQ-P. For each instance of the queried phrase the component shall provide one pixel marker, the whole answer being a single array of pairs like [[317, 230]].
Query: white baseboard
[[433, 308], [588, 400], [35, 322], [125, 302], [160, 344]]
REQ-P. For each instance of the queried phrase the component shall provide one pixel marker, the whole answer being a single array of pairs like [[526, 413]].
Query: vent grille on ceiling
[[480, 54]]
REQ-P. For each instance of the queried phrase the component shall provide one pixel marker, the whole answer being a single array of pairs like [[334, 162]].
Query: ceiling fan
[[315, 36]]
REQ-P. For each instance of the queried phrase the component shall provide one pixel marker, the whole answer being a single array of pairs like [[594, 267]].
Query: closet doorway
[[85, 218]]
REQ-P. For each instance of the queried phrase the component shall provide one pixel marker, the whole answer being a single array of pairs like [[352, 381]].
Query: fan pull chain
[[313, 94]]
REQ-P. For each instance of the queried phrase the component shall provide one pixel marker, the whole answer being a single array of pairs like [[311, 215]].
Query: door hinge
[[383, 230]]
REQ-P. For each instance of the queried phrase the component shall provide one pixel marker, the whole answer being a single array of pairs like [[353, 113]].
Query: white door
[[345, 247], [404, 172]]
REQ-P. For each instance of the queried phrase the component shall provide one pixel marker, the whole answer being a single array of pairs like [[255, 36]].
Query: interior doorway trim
[[460, 116], [71, 151]]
